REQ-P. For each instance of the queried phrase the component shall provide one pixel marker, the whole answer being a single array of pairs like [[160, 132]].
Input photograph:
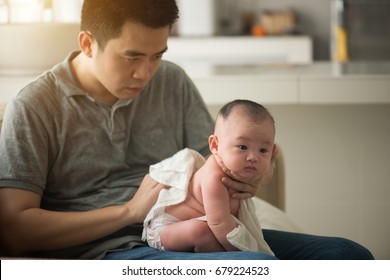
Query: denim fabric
[[285, 245], [149, 253], [296, 246]]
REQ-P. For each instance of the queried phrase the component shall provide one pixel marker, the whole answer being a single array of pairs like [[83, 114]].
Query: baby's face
[[245, 146]]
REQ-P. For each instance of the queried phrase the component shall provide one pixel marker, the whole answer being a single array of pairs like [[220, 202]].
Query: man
[[77, 143]]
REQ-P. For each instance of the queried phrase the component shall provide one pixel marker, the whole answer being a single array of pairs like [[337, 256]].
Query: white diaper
[[161, 220]]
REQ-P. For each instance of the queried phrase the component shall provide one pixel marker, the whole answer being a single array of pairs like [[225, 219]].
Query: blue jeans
[[285, 245]]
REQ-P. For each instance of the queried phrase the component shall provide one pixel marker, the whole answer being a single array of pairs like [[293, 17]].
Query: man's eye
[[242, 147], [133, 59], [156, 58]]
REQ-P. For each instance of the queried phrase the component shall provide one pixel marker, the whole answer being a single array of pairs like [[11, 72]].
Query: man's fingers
[[239, 187]]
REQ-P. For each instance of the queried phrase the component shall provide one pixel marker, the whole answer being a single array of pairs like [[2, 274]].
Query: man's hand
[[243, 187], [144, 198]]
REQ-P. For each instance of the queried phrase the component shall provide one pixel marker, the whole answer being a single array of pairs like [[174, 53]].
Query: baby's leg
[[189, 236]]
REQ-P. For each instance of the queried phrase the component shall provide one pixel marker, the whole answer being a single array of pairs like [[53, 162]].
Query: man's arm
[[26, 227]]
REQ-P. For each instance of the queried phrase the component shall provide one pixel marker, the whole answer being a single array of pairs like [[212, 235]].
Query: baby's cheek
[[265, 166], [234, 164]]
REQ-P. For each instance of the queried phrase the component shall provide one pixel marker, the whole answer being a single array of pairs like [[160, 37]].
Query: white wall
[[33, 48], [338, 170]]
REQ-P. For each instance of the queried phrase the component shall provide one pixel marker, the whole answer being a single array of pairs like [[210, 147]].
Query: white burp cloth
[[248, 235]]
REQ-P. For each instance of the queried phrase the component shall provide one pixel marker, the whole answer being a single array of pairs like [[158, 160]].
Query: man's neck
[[80, 66]]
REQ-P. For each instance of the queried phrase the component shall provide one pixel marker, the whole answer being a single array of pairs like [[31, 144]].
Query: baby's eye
[[263, 150], [242, 147]]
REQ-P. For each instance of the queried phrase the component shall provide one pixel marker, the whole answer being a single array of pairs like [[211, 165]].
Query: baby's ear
[[213, 144], [275, 152]]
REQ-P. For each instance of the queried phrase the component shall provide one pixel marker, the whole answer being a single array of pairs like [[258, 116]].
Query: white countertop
[[328, 69], [316, 83]]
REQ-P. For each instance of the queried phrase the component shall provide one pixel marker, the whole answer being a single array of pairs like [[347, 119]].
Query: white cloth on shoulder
[[176, 172]]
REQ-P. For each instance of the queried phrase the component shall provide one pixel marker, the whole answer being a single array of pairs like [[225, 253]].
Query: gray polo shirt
[[79, 154]]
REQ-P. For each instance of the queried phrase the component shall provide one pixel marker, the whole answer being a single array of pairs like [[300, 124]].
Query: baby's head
[[246, 109], [244, 137]]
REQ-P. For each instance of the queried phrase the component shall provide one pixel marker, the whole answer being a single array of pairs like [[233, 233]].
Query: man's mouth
[[134, 90]]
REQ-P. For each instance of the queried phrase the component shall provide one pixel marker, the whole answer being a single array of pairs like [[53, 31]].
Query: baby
[[242, 147]]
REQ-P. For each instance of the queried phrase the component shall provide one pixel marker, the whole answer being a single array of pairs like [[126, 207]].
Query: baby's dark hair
[[251, 109], [104, 18]]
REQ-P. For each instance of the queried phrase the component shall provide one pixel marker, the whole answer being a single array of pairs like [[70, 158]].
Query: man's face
[[128, 62]]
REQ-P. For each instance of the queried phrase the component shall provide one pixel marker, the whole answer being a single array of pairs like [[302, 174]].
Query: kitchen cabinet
[[240, 50]]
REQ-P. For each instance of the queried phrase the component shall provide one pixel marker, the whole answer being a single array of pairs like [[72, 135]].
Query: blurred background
[[365, 22]]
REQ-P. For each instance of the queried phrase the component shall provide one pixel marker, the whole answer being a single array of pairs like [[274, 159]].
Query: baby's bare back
[[192, 206]]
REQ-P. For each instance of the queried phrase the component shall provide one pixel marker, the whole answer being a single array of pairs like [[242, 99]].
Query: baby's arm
[[217, 208]]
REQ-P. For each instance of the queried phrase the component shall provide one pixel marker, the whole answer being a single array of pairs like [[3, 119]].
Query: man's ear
[[85, 43], [213, 144]]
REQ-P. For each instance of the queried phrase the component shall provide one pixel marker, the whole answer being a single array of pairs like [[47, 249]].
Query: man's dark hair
[[104, 19]]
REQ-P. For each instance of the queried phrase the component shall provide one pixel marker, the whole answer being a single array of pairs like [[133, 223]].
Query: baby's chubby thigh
[[192, 235]]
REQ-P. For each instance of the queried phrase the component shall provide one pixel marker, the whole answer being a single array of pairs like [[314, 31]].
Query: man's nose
[[143, 72]]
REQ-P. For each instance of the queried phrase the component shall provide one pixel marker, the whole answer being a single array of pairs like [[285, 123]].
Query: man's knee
[[344, 249]]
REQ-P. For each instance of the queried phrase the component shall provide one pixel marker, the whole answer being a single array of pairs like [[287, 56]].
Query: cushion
[[271, 217]]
